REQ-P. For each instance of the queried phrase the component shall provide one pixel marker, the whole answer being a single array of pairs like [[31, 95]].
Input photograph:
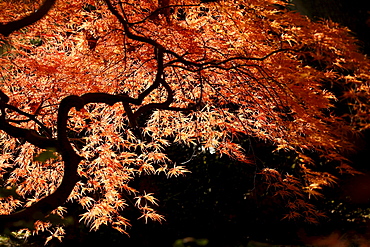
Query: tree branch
[[10, 27]]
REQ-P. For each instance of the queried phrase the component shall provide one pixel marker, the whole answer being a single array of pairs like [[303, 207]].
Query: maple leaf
[[176, 171]]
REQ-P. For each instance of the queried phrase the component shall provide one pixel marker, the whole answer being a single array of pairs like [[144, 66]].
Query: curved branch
[[69, 156], [30, 116], [162, 105], [159, 10], [126, 27], [29, 135], [211, 64], [71, 160], [10, 27]]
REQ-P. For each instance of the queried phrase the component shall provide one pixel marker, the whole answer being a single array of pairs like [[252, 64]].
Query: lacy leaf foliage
[[151, 74]]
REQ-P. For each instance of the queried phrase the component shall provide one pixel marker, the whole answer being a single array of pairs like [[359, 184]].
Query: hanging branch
[[7, 29]]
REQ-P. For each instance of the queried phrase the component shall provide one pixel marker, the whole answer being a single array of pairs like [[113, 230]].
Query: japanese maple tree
[[93, 91]]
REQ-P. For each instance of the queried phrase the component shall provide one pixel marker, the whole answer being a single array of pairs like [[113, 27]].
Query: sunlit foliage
[[99, 88]]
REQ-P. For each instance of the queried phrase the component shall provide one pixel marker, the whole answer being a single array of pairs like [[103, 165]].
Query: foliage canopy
[[93, 92]]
